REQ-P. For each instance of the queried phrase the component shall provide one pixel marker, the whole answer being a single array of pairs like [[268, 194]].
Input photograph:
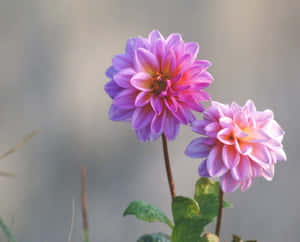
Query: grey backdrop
[[53, 55]]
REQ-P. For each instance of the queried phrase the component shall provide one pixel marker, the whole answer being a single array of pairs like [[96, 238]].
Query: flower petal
[[262, 118], [184, 62], [181, 115], [243, 170], [230, 156], [121, 61], [110, 72], [204, 77], [171, 126], [171, 103], [159, 50], [126, 99], [202, 96], [256, 169], [250, 106], [142, 117], [154, 36], [118, 114], [268, 173], [204, 64], [202, 170], [260, 154], [198, 148], [146, 61], [243, 147], [168, 63], [192, 103], [226, 122], [142, 81], [212, 129], [172, 40], [122, 78], [228, 184], [246, 184], [157, 104], [158, 123], [130, 46], [112, 89], [144, 134], [239, 133], [142, 99], [280, 154], [274, 130], [226, 136], [192, 48], [241, 119], [215, 165]]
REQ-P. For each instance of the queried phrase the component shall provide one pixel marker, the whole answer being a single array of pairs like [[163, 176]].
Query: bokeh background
[[53, 55]]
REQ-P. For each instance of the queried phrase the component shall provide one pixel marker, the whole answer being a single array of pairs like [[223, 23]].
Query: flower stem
[[84, 206], [168, 166], [219, 219]]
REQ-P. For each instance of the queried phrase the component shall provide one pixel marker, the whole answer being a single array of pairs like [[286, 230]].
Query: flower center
[[159, 83]]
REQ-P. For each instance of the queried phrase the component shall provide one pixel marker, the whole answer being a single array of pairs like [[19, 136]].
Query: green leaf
[[156, 237], [145, 211], [207, 196], [210, 238], [183, 208], [6, 231], [189, 230], [236, 238]]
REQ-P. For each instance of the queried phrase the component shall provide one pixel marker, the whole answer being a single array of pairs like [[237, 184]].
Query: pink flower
[[156, 84], [240, 144]]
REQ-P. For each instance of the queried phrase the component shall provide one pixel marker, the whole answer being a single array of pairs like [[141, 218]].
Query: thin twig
[[219, 219], [7, 174], [72, 221], [84, 206], [168, 166], [19, 145]]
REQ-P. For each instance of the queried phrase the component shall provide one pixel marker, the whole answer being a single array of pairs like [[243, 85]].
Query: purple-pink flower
[[156, 84], [239, 144]]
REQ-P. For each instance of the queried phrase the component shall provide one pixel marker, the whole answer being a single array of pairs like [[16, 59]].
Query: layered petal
[[126, 99], [160, 81], [215, 165], [142, 117], [246, 144], [199, 148], [119, 114], [146, 61], [202, 169], [142, 81], [122, 78], [228, 183]]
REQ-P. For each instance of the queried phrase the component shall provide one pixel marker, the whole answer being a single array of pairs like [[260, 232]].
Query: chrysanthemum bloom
[[239, 144], [156, 84]]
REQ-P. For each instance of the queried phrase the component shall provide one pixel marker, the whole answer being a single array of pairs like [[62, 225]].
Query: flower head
[[240, 144], [156, 84]]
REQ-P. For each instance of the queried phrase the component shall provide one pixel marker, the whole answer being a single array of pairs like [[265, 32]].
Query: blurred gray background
[[53, 55]]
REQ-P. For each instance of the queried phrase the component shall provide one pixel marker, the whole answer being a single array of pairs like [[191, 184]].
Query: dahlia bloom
[[239, 144], [156, 84]]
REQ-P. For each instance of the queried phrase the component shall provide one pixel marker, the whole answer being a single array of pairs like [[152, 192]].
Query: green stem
[[219, 219], [6, 231], [85, 236]]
